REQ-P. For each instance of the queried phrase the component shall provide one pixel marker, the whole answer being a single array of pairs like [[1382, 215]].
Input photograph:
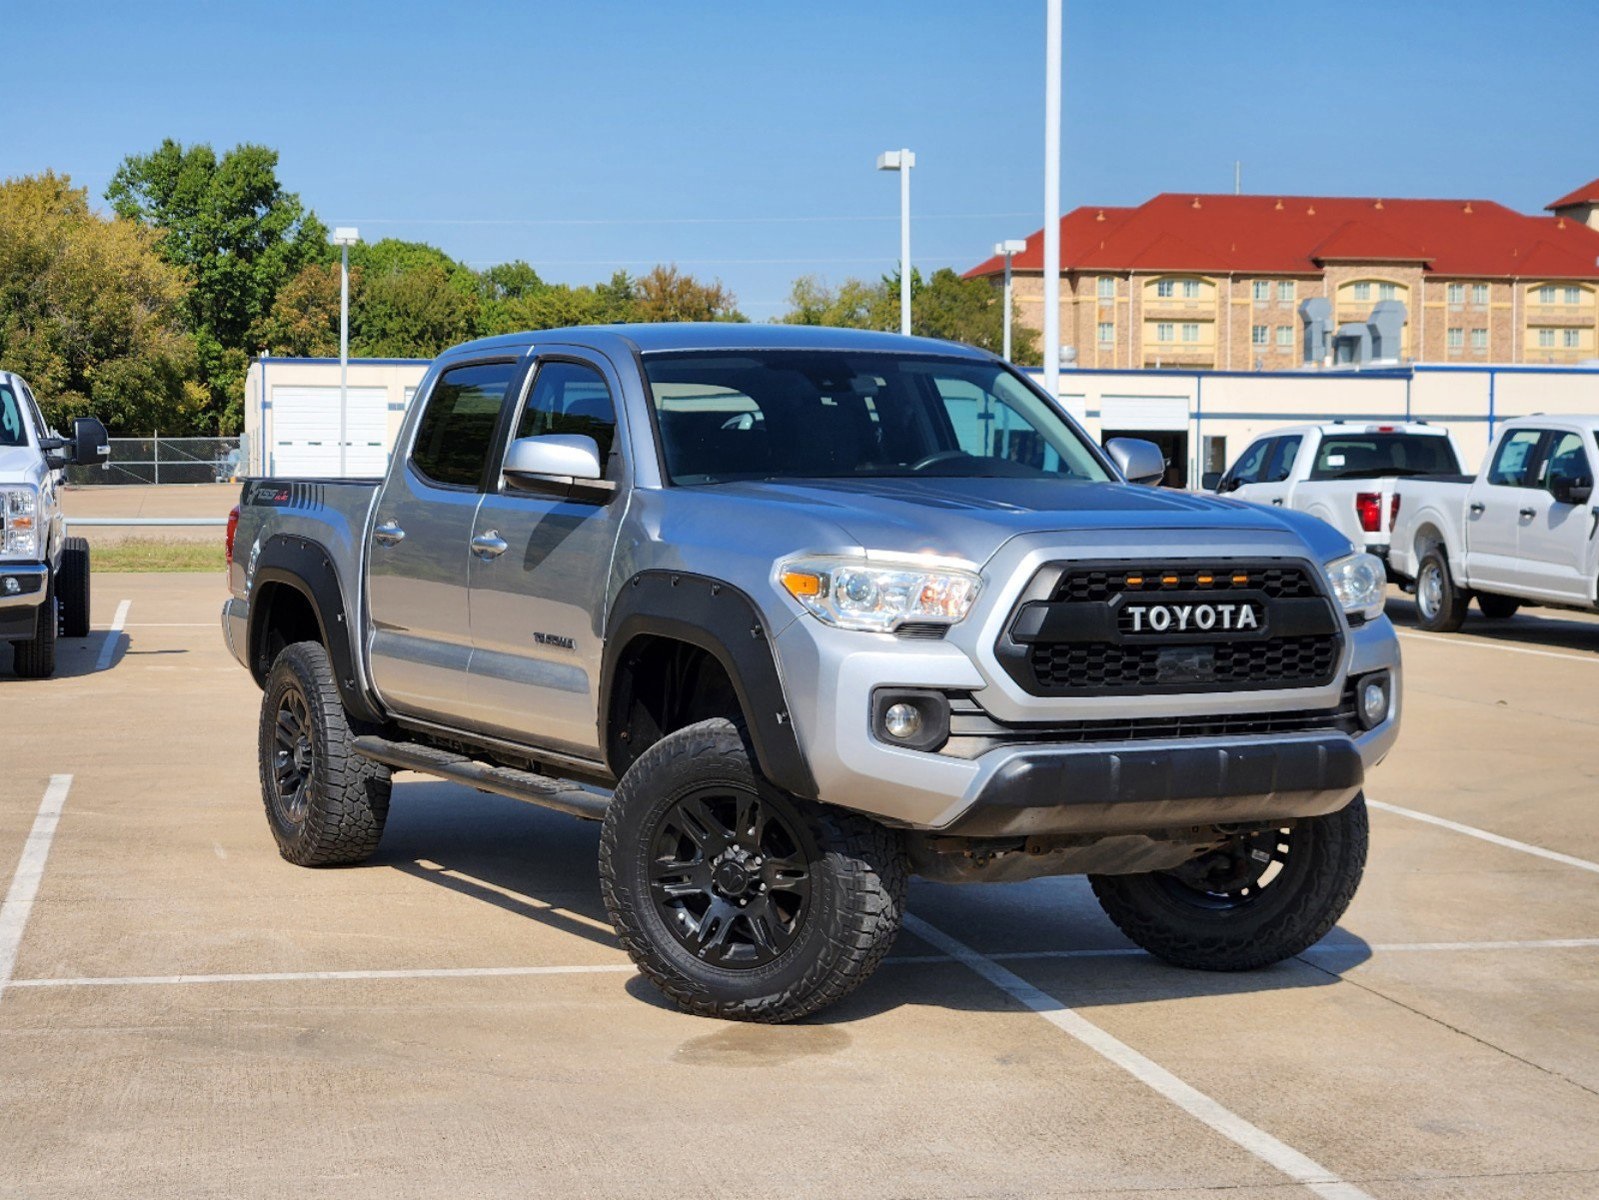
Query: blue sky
[[738, 139]]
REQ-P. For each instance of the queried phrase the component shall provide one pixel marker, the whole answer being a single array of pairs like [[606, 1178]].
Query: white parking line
[[1484, 644], [164, 625], [18, 904], [113, 636], [1298, 1167], [1333, 948], [1581, 864]]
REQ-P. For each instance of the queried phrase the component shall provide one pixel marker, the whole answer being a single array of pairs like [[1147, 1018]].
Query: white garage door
[[1124, 413], [305, 431]]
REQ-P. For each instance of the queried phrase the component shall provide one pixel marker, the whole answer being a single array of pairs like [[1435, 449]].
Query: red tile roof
[[1296, 235], [1588, 193]]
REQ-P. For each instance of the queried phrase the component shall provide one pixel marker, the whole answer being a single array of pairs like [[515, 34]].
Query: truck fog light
[[12, 586], [1374, 700], [902, 721]]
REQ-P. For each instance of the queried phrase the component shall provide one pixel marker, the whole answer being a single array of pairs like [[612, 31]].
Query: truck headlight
[[1360, 581], [880, 595], [19, 510]]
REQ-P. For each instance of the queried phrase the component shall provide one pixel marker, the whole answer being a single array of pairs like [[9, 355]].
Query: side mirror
[[1210, 481], [91, 445], [1138, 460], [568, 462], [1571, 489]]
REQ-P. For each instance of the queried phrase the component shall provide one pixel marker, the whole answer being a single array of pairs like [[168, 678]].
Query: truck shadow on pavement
[[542, 865], [1551, 629]]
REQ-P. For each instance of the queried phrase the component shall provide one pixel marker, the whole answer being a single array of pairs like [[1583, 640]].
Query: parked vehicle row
[[44, 574], [798, 613]]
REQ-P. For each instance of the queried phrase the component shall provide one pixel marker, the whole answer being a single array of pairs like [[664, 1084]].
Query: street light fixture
[[902, 161], [1008, 248], [344, 236]]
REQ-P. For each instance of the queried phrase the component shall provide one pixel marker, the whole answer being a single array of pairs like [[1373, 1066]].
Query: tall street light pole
[[902, 161], [1007, 248], [1052, 39], [344, 237]]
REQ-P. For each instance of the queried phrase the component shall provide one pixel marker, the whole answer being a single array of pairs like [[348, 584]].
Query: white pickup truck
[[1521, 532], [1345, 474]]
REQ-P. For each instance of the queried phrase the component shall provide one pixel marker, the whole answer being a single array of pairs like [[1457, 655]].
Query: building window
[[1107, 287], [1165, 332], [1107, 332], [1546, 295], [1387, 291], [1456, 293], [1570, 338], [1573, 295], [1546, 338], [1457, 337], [1479, 339], [1285, 291], [1479, 293], [1362, 291], [1285, 337], [1190, 289], [1262, 291], [1190, 333], [1165, 288], [1257, 335]]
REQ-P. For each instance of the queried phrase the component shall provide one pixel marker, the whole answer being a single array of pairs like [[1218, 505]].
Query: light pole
[[902, 161], [1052, 198], [344, 237], [1008, 248]]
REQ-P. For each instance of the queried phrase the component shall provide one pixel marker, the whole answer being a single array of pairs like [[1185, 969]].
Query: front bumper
[[1090, 787], [23, 584]]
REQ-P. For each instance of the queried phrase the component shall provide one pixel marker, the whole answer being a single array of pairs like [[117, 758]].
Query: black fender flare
[[305, 567], [724, 622]]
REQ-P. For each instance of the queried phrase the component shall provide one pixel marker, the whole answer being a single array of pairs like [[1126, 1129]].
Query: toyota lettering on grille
[[1221, 617]]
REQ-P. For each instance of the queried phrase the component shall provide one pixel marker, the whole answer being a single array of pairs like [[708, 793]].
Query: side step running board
[[503, 781]]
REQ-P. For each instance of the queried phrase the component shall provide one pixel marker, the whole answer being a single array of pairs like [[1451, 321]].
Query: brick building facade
[[1215, 282]]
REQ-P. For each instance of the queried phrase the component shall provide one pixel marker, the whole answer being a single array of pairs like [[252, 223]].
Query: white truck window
[[1514, 458]]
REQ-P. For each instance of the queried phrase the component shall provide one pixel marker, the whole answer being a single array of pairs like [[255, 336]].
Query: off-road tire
[[1286, 917], [36, 658], [72, 585], [339, 817], [1497, 608], [1443, 610], [857, 873]]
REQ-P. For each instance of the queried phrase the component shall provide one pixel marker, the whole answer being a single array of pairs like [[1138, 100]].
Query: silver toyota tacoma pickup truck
[[798, 613], [44, 574]]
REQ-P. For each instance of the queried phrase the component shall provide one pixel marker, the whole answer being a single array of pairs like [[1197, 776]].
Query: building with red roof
[[1216, 281]]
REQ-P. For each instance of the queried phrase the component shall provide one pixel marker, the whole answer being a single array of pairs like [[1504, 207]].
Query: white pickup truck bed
[[1344, 473]]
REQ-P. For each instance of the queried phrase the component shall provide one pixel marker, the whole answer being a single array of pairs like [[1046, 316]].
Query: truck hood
[[972, 518], [19, 464]]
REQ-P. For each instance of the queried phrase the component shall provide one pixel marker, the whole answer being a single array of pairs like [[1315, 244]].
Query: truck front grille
[[1076, 631]]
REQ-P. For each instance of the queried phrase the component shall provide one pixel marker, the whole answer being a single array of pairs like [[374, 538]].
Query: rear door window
[[1516, 459], [456, 431]]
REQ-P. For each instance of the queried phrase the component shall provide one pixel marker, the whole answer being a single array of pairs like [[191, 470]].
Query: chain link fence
[[165, 460]]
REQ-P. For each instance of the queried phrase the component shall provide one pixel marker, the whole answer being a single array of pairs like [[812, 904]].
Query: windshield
[[11, 418], [811, 414], [1371, 455]]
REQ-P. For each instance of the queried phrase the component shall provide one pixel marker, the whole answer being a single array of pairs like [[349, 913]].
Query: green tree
[[412, 314], [854, 304], [237, 234], [511, 281], [667, 294], [304, 321], [91, 315]]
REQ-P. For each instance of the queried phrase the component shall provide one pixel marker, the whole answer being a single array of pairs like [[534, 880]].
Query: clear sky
[[739, 139]]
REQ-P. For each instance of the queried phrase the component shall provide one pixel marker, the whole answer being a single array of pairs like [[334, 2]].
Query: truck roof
[[729, 335], [1587, 421], [1337, 427]]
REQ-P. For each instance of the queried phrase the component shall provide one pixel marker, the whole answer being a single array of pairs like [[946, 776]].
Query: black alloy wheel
[[293, 756], [729, 875]]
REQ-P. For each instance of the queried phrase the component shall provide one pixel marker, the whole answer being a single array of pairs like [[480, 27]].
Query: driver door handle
[[1529, 512], [1278, 502], [1477, 507], [388, 534], [489, 545]]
